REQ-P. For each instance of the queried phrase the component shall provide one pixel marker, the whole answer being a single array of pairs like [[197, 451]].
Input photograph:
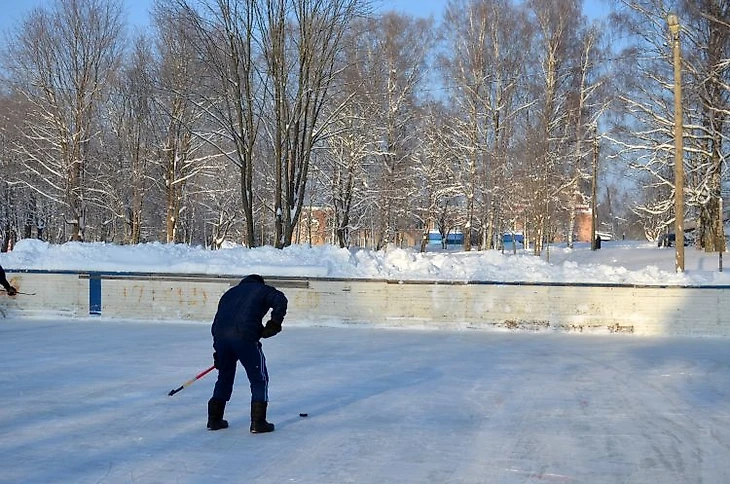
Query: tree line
[[231, 120]]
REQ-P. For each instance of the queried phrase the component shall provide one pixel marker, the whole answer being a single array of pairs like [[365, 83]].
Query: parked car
[[668, 240]]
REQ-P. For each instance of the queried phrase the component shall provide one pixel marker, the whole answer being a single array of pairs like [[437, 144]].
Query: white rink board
[[641, 310]]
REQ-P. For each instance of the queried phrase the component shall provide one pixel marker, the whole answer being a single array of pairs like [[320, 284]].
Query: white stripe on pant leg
[[262, 368]]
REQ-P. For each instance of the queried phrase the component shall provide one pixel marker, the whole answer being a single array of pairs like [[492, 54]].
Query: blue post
[[95, 293]]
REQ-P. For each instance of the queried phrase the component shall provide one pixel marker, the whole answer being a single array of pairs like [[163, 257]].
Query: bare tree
[[182, 155], [63, 61], [485, 63], [302, 39], [350, 145], [228, 34], [15, 209], [586, 106], [708, 64], [391, 62], [557, 24], [645, 135], [436, 167], [132, 126]]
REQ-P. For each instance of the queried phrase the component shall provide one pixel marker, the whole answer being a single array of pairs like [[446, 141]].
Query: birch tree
[[393, 51], [557, 24], [488, 47]]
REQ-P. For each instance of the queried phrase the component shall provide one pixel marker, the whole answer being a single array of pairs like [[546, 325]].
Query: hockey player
[[11, 291], [237, 330]]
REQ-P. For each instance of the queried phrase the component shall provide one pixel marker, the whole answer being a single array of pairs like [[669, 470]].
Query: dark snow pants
[[251, 356]]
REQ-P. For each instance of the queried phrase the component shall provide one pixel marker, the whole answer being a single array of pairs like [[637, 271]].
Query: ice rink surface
[[86, 401]]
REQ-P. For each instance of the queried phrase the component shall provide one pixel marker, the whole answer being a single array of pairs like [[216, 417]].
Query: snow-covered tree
[[64, 59]]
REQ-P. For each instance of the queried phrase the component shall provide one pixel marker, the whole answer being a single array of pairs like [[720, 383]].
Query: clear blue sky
[[13, 10], [594, 8]]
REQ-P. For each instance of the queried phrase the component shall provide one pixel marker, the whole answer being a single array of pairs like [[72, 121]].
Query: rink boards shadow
[[477, 305]]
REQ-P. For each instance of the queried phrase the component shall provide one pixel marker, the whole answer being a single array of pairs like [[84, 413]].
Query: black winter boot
[[259, 425], [215, 414]]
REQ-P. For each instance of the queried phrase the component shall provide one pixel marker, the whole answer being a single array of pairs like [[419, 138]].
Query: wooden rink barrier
[[478, 305]]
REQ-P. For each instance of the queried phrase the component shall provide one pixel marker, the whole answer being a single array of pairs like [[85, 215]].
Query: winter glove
[[11, 291], [215, 360], [272, 328]]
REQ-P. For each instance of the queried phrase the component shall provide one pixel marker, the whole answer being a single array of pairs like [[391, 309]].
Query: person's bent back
[[242, 308]]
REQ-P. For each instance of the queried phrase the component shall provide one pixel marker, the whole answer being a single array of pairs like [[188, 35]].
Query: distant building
[[317, 227], [583, 224]]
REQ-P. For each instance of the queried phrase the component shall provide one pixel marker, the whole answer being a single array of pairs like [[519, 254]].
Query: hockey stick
[[190, 382], [24, 293]]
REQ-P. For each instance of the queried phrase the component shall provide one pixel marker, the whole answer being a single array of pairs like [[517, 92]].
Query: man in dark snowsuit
[[4, 281], [237, 329]]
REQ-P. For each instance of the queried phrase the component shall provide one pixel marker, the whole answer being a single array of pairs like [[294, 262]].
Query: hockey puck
[[304, 415]]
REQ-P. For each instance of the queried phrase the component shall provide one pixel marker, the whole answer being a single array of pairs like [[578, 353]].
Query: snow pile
[[621, 262]]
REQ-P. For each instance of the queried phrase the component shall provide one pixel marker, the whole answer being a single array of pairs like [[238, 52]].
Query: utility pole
[[674, 29]]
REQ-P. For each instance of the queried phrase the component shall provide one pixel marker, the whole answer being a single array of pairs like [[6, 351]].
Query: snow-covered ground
[[628, 262], [86, 401]]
